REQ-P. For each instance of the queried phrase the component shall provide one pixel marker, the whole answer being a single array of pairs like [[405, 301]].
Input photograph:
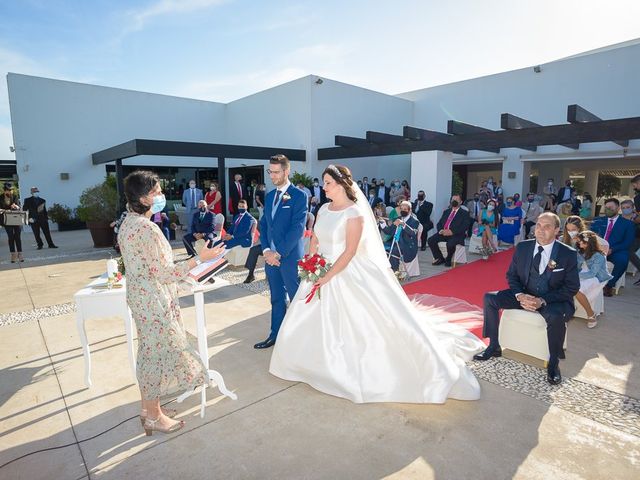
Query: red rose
[[322, 262]]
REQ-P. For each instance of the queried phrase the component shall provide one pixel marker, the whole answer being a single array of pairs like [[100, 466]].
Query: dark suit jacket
[[235, 195], [242, 232], [459, 224], [424, 214], [622, 235], [408, 238], [323, 195], [386, 195], [564, 281], [31, 205], [202, 226]]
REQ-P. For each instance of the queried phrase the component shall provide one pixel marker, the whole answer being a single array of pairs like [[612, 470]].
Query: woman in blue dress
[[488, 224], [510, 222]]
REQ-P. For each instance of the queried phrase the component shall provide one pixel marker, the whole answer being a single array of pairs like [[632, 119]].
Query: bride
[[362, 338]]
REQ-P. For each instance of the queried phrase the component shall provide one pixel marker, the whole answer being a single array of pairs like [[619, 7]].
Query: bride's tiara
[[335, 170]]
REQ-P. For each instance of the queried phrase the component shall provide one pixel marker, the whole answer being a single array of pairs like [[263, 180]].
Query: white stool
[[597, 304], [237, 256], [459, 257], [621, 281], [525, 332]]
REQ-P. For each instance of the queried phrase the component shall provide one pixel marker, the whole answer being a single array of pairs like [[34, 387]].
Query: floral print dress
[[166, 360]]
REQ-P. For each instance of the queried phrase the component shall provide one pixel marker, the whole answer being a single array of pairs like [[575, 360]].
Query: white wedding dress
[[363, 339]]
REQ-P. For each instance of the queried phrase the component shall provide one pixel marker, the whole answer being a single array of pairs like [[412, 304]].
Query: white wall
[[58, 124]]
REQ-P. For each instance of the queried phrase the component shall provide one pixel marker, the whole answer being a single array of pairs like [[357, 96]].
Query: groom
[[281, 230]]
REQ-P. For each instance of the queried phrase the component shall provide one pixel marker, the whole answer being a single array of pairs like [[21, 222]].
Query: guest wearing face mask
[[516, 200], [592, 266], [587, 205], [423, 209], [488, 221], [572, 227], [365, 186], [373, 198], [405, 248], [395, 213], [629, 212], [240, 232], [510, 222], [213, 199], [260, 193], [549, 188], [237, 192], [406, 191], [9, 202], [202, 227], [317, 192], [38, 217], [395, 192], [190, 199], [452, 229], [531, 210], [564, 194], [383, 192], [475, 206], [620, 233]]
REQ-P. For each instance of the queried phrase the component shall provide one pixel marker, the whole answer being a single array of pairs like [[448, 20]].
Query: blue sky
[[221, 50]]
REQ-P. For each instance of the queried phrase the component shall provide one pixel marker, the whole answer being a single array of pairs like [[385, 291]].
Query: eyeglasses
[[275, 172]]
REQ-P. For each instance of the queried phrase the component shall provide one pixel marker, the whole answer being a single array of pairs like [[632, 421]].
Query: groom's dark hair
[[281, 160]]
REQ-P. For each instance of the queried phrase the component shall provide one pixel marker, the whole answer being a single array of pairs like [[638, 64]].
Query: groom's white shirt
[[282, 190]]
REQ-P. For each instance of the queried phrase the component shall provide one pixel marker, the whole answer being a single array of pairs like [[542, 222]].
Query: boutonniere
[[286, 197], [552, 265]]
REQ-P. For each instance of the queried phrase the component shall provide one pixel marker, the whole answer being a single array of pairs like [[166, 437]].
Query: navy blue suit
[[620, 241], [204, 226], [241, 231], [281, 230], [556, 287]]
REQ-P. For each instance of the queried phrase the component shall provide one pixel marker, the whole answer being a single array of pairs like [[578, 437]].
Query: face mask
[[490, 180], [315, 184], [159, 202], [371, 195], [454, 203], [573, 234], [213, 189], [490, 207], [509, 203], [476, 198], [36, 194], [404, 213], [610, 213], [242, 210], [192, 185], [516, 198], [637, 190], [420, 197], [627, 211], [203, 209], [382, 184]]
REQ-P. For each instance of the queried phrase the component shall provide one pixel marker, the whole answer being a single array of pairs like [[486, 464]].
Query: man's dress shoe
[[268, 343], [250, 278], [438, 261], [53, 246], [39, 247], [488, 353], [607, 291], [447, 263], [553, 376]]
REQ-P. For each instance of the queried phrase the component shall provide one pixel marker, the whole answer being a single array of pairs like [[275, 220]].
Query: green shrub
[[100, 202]]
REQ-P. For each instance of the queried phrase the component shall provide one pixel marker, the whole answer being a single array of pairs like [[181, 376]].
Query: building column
[[432, 172], [513, 167], [591, 186]]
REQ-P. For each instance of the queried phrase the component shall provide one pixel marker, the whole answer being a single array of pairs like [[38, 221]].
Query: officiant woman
[[166, 361]]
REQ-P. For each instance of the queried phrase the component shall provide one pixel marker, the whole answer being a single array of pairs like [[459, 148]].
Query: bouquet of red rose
[[312, 268]]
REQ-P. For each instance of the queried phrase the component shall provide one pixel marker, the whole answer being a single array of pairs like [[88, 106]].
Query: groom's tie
[[275, 203]]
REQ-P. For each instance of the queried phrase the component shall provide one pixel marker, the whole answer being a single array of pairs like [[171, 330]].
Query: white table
[[201, 327], [98, 303]]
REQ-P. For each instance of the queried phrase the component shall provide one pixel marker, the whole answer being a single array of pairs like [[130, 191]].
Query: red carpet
[[467, 282]]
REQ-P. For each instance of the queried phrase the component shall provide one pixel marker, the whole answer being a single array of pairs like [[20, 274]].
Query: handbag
[[14, 218]]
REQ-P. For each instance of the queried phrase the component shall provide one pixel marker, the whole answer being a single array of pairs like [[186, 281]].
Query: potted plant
[[65, 218], [98, 208]]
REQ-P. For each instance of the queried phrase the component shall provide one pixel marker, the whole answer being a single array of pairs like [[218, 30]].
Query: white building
[[57, 126]]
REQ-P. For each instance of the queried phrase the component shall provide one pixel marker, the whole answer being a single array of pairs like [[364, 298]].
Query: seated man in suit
[[620, 233], [406, 245], [240, 231], [452, 228], [201, 228], [543, 277]]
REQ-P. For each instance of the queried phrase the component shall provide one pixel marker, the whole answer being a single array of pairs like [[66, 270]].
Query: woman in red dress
[[213, 198]]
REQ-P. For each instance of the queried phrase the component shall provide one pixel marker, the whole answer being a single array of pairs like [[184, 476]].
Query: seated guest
[[592, 266], [475, 208], [510, 222], [395, 213], [373, 198], [629, 212], [543, 278], [531, 210], [572, 227], [201, 228], [620, 233], [564, 211], [240, 231], [380, 212], [161, 219], [452, 229], [405, 247], [488, 224], [587, 202]]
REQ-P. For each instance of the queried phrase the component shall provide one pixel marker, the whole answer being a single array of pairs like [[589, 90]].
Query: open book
[[201, 273]]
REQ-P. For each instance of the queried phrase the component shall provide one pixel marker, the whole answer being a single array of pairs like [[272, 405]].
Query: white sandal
[[591, 321]]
